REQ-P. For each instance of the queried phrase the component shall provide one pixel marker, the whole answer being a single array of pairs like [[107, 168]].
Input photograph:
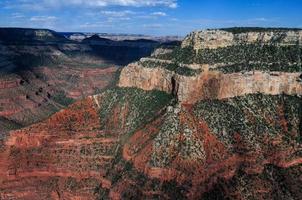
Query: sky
[[150, 17]]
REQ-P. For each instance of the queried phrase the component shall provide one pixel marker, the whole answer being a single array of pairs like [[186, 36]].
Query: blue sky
[[152, 17]]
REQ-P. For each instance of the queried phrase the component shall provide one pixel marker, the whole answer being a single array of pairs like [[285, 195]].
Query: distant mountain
[[78, 36], [15, 35], [96, 38]]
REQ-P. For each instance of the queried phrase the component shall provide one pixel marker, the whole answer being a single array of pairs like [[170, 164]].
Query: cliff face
[[222, 38], [233, 91], [210, 85], [48, 160], [227, 65]]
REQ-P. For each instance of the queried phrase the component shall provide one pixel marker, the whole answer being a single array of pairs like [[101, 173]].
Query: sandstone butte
[[80, 154]]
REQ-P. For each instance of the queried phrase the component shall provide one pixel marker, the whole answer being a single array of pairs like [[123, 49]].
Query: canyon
[[194, 121], [41, 71]]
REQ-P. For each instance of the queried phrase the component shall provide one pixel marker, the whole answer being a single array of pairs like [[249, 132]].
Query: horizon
[[100, 34], [151, 18]]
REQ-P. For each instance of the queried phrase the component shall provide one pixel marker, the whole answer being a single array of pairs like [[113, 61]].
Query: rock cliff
[[210, 85], [227, 37], [220, 69]]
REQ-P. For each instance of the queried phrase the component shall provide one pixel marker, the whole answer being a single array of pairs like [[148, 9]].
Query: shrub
[[62, 99]]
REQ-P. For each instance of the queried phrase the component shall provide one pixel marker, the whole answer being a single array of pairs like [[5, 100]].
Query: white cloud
[[47, 4], [262, 19], [43, 18], [17, 15], [152, 26], [135, 3], [123, 13], [159, 14], [94, 25]]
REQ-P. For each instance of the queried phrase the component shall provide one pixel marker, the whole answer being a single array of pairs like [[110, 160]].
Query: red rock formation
[[210, 84], [29, 99], [68, 156], [67, 147], [85, 81]]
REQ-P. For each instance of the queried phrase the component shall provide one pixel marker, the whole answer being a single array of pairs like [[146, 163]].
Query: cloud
[[94, 25], [159, 14], [134, 3], [153, 26], [43, 18], [17, 15], [123, 13], [128, 15], [153, 15], [55, 4], [261, 19]]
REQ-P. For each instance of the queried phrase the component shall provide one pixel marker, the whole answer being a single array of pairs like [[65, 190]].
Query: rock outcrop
[[222, 38], [211, 84], [50, 160], [215, 80]]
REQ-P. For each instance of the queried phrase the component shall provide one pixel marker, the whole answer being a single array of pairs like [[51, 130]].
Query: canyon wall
[[214, 77], [63, 157], [35, 95], [220, 38], [210, 84]]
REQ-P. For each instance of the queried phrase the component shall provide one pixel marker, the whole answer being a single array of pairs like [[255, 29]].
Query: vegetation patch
[[139, 106], [237, 30], [273, 67], [174, 67], [180, 55], [245, 57], [252, 116], [62, 99], [250, 53], [7, 125]]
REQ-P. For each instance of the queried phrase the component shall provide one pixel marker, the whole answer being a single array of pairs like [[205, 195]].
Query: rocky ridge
[[214, 39], [210, 85]]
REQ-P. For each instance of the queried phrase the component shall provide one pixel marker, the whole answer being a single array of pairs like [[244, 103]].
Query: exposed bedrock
[[62, 157], [211, 84], [222, 38]]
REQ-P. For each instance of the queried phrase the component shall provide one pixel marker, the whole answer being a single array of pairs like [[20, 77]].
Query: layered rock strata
[[210, 84], [222, 38]]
